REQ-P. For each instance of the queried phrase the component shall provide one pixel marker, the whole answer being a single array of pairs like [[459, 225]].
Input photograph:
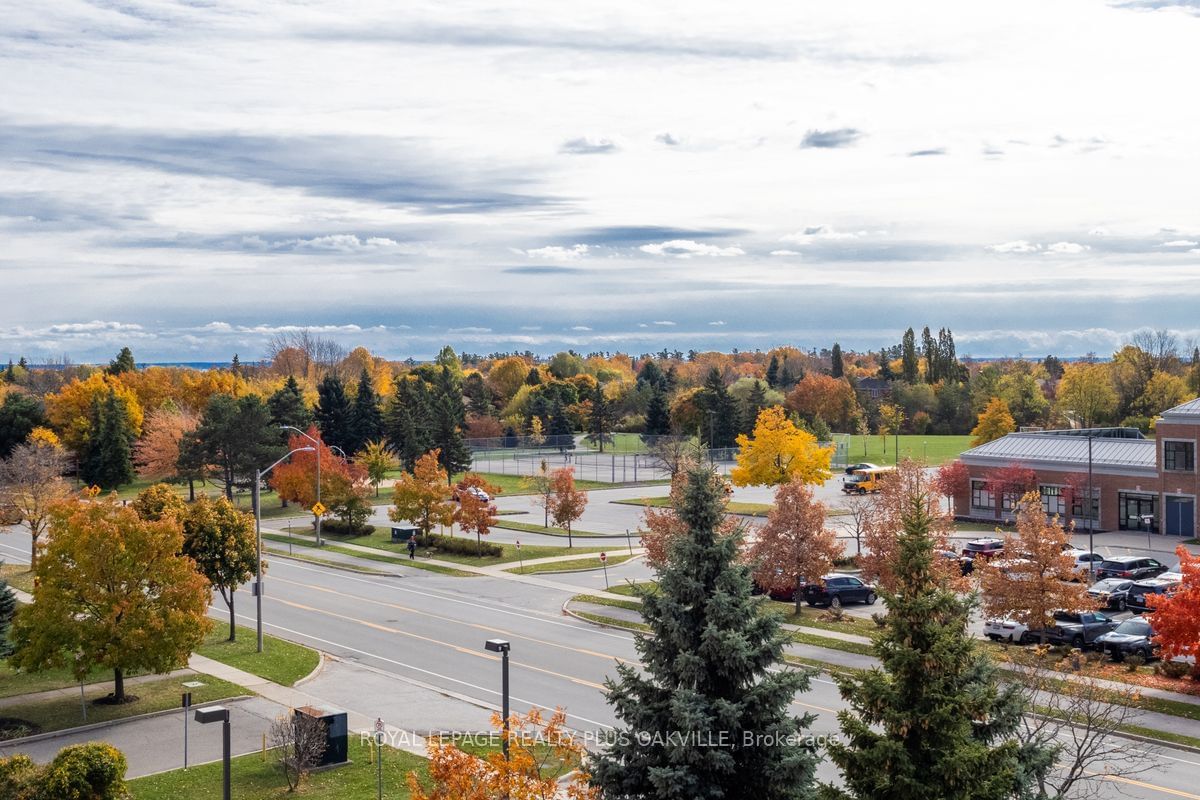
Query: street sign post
[[318, 509], [379, 757], [187, 704], [604, 563], [521, 557]]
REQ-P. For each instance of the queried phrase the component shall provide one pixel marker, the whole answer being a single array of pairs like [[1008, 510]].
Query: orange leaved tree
[[1027, 585], [1175, 617], [794, 546], [663, 525], [422, 496], [544, 763], [474, 514], [567, 503]]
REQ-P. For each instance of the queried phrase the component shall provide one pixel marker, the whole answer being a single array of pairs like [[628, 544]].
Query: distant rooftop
[[1068, 450], [1184, 412]]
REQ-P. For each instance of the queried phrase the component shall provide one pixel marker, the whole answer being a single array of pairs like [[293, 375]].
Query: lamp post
[[258, 582], [502, 647], [317, 444], [1092, 511], [219, 714]]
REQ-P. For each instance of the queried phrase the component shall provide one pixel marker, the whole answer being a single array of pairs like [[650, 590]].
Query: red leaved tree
[[1175, 617], [474, 514], [344, 485], [663, 525], [794, 546], [566, 503], [1010, 483], [952, 480]]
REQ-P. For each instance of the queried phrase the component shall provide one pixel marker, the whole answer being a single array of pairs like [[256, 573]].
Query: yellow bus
[[865, 481]]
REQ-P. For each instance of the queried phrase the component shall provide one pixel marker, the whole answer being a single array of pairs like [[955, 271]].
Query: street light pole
[[257, 503], [1092, 512], [502, 647], [219, 714], [317, 443]]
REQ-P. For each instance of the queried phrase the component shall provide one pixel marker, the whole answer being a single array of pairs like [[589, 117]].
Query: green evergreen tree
[[658, 414], [722, 420], [756, 401], [288, 407], [366, 417], [773, 372], [929, 349], [108, 454], [534, 378], [707, 716], [235, 436], [560, 431], [236, 365], [479, 396], [122, 363], [602, 418], [332, 413], [932, 722], [408, 423], [19, 415], [8, 608], [836, 366], [909, 369], [453, 453], [10, 374]]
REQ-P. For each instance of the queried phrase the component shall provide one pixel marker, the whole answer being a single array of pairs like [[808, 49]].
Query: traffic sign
[[518, 544], [603, 557], [318, 509]]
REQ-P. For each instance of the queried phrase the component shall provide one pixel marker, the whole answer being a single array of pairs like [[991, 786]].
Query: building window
[[1081, 509], [1052, 500], [1139, 512], [981, 498], [1179, 456]]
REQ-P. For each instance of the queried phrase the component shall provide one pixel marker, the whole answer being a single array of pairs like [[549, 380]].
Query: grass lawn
[[734, 507], [626, 588], [158, 695], [382, 540], [18, 576], [629, 605], [932, 449], [811, 619], [305, 550], [13, 683], [577, 565], [281, 661], [530, 527], [254, 779]]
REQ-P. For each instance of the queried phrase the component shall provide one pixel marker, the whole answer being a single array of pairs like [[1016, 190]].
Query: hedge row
[[459, 545]]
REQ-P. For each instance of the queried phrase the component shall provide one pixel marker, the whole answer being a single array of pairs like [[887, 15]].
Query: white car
[[1005, 630], [1084, 561]]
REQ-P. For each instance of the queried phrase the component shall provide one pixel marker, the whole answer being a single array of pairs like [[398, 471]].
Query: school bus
[[865, 481]]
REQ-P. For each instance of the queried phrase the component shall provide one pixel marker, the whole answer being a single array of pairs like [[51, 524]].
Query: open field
[[931, 449]]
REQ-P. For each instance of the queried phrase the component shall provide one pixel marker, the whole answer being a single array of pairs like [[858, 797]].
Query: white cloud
[[686, 248], [785, 252], [556, 253], [1018, 246], [95, 326], [717, 322], [469, 329], [342, 243], [1180, 243], [664, 322], [815, 233], [1066, 248], [580, 328]]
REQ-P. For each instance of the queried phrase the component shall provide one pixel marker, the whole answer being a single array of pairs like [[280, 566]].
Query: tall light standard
[[219, 714], [502, 646], [258, 582], [1092, 511], [317, 444]]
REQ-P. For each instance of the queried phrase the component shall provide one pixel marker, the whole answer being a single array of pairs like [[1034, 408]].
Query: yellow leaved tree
[[779, 452], [994, 421]]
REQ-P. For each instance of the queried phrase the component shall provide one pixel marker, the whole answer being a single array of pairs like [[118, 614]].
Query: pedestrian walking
[[412, 547]]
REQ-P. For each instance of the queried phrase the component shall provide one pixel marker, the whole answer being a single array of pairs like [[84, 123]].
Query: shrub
[[459, 545], [92, 771], [880, 620], [833, 614], [846, 562], [1133, 662], [338, 527], [1173, 669]]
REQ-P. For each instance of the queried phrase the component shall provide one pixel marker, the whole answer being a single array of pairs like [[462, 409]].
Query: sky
[[189, 178]]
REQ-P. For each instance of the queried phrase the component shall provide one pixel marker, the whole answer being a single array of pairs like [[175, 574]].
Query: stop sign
[[603, 557]]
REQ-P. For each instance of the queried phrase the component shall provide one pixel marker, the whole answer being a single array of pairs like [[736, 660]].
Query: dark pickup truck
[[1133, 637], [1076, 629]]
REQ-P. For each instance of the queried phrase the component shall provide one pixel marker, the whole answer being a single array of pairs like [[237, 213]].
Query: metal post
[[83, 704], [379, 765], [318, 492], [504, 689], [258, 587], [225, 755], [629, 540], [187, 706], [1090, 509]]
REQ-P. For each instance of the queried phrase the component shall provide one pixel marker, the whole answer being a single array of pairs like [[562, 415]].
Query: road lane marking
[[1143, 784]]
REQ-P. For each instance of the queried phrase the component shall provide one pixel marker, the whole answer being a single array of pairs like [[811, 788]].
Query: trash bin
[[336, 734], [402, 533]]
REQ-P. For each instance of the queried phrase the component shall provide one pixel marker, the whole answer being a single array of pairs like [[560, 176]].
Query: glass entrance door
[[1139, 512]]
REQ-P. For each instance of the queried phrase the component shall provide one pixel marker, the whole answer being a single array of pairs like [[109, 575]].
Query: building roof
[[1184, 412], [1066, 451]]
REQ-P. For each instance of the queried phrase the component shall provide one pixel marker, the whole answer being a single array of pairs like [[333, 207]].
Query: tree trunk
[[232, 618], [33, 537], [478, 545], [119, 685], [191, 490], [797, 596], [570, 542]]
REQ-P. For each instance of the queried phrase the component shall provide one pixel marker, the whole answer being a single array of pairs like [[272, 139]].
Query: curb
[[41, 737], [575, 615], [332, 565], [629, 560], [317, 670]]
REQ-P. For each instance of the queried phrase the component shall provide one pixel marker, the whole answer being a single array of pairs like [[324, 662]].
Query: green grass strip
[[281, 661], [381, 557], [630, 605], [573, 565]]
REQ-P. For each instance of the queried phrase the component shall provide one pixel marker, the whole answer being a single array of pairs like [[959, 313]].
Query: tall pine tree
[[8, 607], [722, 420], [837, 367], [658, 414], [932, 722], [601, 419], [108, 454], [409, 420], [909, 369], [707, 716], [332, 414], [366, 417], [288, 407], [773, 372]]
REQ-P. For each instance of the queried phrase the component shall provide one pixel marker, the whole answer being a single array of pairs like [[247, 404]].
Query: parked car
[[1078, 629], [983, 548], [1134, 636], [835, 589], [850, 470], [1006, 630], [1111, 593], [474, 491], [1085, 559], [1134, 567], [965, 565], [1143, 589]]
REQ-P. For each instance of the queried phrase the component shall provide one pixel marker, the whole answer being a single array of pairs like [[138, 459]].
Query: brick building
[[1137, 483]]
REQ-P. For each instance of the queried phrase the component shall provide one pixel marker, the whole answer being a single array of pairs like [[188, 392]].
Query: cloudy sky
[[189, 177]]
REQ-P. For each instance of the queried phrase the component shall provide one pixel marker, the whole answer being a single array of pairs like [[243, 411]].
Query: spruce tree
[[836, 366], [366, 417], [707, 715], [756, 401], [602, 418], [720, 428], [658, 414], [108, 454], [932, 721], [288, 407], [8, 608], [560, 431], [773, 372], [332, 414], [909, 369], [122, 363], [454, 455], [408, 423]]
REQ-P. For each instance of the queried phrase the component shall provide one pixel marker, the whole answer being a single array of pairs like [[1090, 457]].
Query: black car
[[853, 468], [1111, 593], [1078, 629], [1143, 589], [1132, 567], [1134, 636], [965, 565], [836, 589]]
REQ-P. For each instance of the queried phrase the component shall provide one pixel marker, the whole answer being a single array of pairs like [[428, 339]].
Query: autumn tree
[[422, 496], [343, 483], [542, 764], [234, 438], [1010, 482], [31, 482], [70, 409], [909, 484], [953, 479], [710, 667], [112, 590], [1175, 617], [159, 502], [831, 399], [779, 452], [794, 547], [856, 511], [567, 503], [1031, 587], [221, 540], [107, 457], [474, 514], [298, 740], [377, 461], [994, 421], [891, 417], [156, 454], [1086, 390]]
